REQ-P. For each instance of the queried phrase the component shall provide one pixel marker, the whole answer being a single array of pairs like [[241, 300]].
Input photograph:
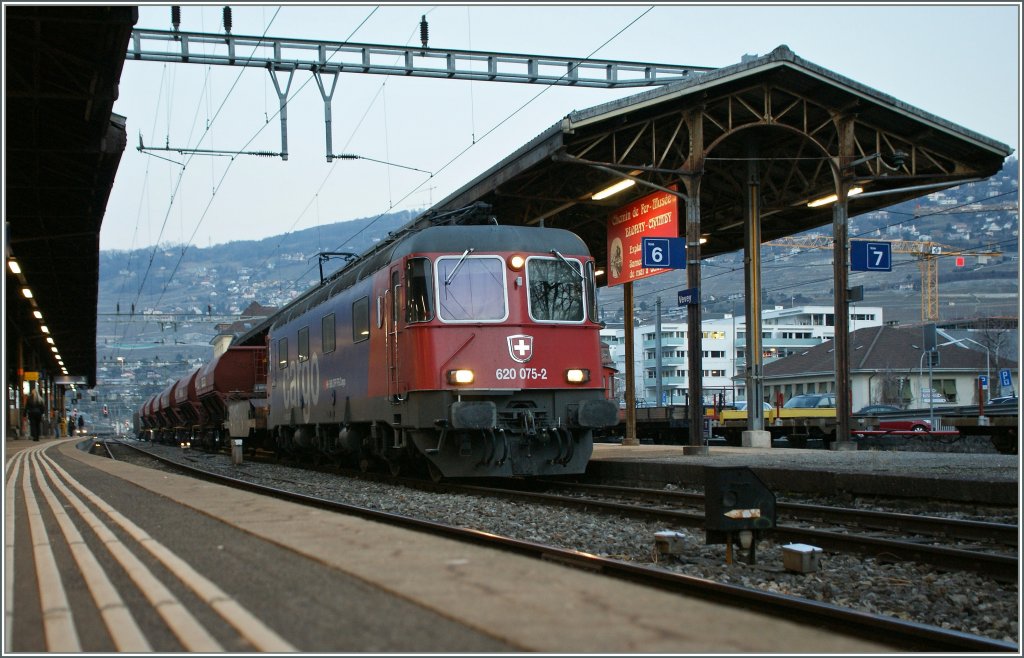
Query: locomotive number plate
[[521, 373]]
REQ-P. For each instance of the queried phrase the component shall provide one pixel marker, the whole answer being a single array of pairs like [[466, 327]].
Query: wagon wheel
[[435, 472]]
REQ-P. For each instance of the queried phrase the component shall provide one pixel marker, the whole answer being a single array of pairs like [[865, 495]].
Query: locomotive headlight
[[460, 377], [577, 375], [516, 262]]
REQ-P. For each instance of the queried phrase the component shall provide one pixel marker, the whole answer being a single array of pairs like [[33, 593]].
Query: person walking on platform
[[63, 427], [81, 424], [34, 409]]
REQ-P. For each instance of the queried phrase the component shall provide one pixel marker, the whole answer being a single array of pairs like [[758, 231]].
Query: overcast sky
[[958, 62]]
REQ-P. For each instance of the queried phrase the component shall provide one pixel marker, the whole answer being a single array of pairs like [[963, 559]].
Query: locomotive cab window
[[327, 333], [555, 289], [360, 319], [304, 344], [471, 288], [419, 298], [282, 354], [591, 284]]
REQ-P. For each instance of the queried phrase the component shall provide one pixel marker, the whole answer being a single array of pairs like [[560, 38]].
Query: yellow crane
[[927, 252]]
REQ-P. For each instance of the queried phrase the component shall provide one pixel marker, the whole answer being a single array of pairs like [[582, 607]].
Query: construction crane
[[926, 251]]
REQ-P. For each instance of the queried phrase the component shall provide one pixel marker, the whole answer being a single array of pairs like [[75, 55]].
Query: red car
[[915, 425]]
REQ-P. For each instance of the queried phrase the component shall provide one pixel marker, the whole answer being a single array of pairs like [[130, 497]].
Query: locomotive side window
[[360, 319], [304, 344], [395, 285], [419, 297], [327, 332], [471, 289], [555, 289], [592, 293], [282, 354]]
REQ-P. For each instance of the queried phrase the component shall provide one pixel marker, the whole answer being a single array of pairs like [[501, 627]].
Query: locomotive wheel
[[395, 468], [435, 473]]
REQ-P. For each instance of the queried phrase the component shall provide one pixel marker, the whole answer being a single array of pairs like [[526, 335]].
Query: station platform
[[964, 477], [104, 556]]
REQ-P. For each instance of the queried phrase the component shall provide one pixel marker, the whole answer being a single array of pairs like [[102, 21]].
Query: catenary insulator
[[227, 19], [423, 30], [176, 17]]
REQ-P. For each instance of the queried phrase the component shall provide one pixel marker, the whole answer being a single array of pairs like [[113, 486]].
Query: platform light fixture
[[27, 292], [832, 198], [13, 264], [45, 329], [614, 189], [38, 314]]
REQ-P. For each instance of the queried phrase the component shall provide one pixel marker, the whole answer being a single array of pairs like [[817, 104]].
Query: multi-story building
[[784, 331]]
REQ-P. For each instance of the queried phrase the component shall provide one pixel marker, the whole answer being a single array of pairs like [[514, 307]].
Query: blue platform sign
[[1004, 378], [663, 253], [983, 379], [870, 256], [688, 296]]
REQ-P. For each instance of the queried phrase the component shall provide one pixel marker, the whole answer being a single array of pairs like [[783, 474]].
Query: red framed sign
[[654, 216]]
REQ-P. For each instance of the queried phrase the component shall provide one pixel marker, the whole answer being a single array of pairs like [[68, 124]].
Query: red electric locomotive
[[471, 349]]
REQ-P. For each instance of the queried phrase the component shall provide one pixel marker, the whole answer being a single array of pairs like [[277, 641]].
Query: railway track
[[904, 634], [850, 537]]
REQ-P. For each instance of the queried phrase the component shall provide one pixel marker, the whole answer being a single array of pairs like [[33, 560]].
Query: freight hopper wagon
[[187, 409], [232, 390]]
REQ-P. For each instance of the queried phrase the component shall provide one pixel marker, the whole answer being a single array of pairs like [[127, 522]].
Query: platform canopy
[[62, 146], [788, 113]]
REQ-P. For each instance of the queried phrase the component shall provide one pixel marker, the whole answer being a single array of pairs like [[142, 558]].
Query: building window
[[945, 387]]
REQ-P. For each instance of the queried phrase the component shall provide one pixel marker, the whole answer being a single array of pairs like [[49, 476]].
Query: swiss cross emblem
[[520, 347]]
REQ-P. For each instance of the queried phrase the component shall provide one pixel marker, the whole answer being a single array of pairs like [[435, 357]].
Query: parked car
[[811, 401], [742, 406], [913, 425], [1006, 399]]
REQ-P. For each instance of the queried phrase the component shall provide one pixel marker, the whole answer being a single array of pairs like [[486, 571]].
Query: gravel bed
[[961, 601]]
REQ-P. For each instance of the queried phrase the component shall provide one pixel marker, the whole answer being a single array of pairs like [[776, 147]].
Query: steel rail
[[903, 634]]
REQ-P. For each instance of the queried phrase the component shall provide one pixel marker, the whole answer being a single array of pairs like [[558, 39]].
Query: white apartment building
[[784, 331]]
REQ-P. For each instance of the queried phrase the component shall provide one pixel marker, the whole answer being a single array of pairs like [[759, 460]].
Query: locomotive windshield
[[555, 289], [471, 289]]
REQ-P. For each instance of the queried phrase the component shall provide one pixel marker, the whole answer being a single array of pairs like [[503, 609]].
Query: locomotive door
[[392, 330]]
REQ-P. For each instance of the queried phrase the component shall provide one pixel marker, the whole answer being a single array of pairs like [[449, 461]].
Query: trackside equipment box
[[801, 558]]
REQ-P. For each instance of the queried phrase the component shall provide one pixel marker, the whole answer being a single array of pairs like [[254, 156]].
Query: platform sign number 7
[[870, 256]]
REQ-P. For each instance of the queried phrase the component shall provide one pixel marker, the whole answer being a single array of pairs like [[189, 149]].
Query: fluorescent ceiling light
[[39, 316], [27, 292], [45, 329], [614, 189], [15, 268], [832, 198], [49, 340]]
